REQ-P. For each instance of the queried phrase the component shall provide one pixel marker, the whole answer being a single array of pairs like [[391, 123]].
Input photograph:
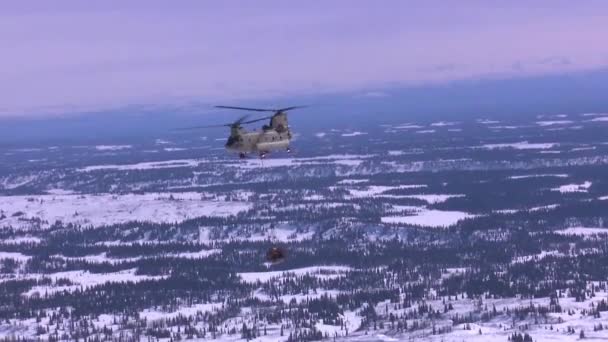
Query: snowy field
[[523, 145], [97, 210], [583, 231], [83, 279], [583, 187], [428, 218], [323, 271]]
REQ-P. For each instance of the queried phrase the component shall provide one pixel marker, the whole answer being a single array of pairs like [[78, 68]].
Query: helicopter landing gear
[[242, 155]]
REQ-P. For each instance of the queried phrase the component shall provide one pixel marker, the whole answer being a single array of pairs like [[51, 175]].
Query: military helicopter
[[272, 137]]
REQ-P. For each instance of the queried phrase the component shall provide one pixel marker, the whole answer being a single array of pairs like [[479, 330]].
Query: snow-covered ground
[[97, 210], [553, 123], [353, 181], [353, 134], [83, 279], [166, 164], [523, 145], [277, 234], [336, 159], [434, 198], [14, 256], [583, 231], [323, 271], [557, 175], [376, 190], [104, 258], [583, 187], [408, 126], [112, 147], [428, 218], [20, 240], [14, 182], [487, 122], [154, 314], [443, 124]]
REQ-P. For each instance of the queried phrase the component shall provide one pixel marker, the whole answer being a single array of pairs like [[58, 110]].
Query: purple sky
[[67, 56]]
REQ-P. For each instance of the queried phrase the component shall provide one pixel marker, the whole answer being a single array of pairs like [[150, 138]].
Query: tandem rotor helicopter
[[272, 137]]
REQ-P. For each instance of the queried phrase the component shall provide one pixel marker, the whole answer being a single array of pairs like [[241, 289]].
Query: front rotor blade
[[200, 127], [290, 108], [256, 120], [245, 108], [240, 120]]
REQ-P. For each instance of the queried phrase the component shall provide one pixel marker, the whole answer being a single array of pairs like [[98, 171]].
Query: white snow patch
[[444, 123], [353, 181], [524, 145], [339, 159], [487, 122], [60, 192], [408, 126], [10, 183], [584, 187], [428, 218], [167, 164], [434, 198], [112, 147], [558, 175], [105, 209], [544, 207], [15, 256], [154, 314], [20, 240], [582, 231], [353, 134], [540, 256], [503, 127], [314, 197], [375, 190], [88, 279], [553, 123], [401, 153], [589, 148], [253, 277]]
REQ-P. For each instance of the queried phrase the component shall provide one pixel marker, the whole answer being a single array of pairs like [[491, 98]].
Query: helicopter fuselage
[[262, 142]]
